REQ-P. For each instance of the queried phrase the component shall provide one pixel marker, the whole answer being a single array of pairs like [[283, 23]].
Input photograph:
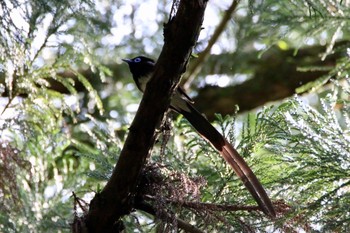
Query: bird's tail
[[232, 157]]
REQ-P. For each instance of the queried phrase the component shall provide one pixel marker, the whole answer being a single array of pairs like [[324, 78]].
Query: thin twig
[[168, 217], [206, 206], [196, 66]]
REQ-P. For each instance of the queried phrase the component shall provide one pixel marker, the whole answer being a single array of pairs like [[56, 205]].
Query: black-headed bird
[[142, 69]]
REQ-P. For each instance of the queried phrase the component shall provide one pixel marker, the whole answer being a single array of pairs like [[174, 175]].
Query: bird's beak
[[127, 60]]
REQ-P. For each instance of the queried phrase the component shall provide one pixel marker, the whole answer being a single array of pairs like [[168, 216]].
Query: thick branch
[[116, 199], [276, 76]]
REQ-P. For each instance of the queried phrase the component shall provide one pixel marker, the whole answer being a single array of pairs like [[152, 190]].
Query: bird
[[142, 68]]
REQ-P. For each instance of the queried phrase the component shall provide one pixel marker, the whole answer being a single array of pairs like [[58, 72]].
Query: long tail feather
[[232, 157], [249, 179]]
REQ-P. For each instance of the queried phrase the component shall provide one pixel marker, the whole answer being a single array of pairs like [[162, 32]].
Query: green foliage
[[341, 71], [38, 169], [300, 22], [39, 187], [299, 152], [310, 162], [103, 151], [55, 143]]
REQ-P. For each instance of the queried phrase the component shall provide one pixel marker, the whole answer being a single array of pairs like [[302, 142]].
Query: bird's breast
[[142, 82]]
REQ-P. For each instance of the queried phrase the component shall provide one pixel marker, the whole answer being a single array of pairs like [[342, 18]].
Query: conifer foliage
[[66, 106]]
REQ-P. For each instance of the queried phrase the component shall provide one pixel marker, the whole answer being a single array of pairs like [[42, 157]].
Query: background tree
[[67, 103]]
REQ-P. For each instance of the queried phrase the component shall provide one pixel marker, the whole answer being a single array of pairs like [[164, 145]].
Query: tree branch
[[196, 66], [116, 199], [208, 206], [276, 76], [167, 217]]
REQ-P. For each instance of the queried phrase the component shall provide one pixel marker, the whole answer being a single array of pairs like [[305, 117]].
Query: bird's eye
[[137, 59]]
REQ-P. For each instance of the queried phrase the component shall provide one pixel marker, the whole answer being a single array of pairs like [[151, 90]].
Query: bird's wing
[[182, 92], [232, 157]]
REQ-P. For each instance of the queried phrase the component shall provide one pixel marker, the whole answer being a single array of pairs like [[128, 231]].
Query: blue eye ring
[[137, 59]]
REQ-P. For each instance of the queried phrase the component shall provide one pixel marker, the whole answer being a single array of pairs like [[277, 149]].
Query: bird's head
[[140, 66]]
